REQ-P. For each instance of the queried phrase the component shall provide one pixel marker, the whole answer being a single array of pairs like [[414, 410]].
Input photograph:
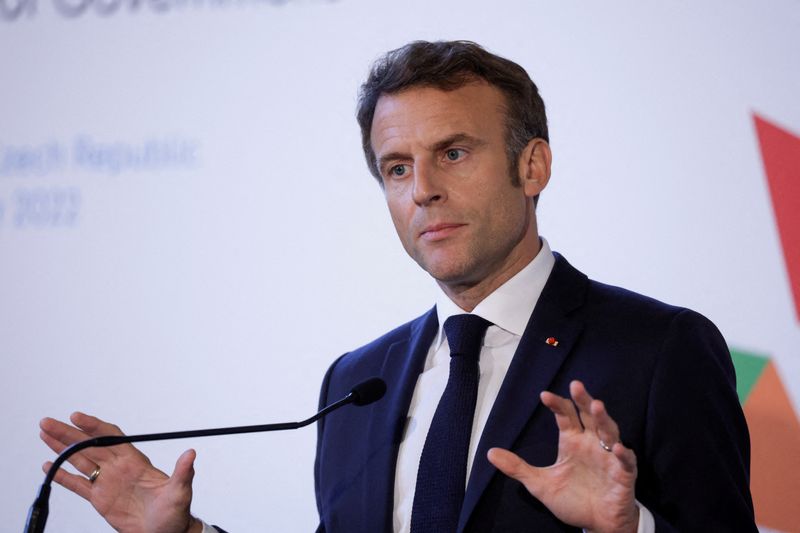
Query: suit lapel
[[403, 363], [532, 369]]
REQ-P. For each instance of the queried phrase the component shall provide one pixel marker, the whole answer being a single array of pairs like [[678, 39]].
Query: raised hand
[[120, 482], [591, 484]]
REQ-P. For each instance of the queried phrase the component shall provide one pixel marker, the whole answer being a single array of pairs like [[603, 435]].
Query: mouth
[[437, 232]]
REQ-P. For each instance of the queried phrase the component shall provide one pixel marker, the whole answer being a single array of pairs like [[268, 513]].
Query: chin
[[449, 274], [454, 265]]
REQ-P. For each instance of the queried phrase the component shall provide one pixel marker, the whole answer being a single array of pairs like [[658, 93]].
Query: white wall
[[177, 290]]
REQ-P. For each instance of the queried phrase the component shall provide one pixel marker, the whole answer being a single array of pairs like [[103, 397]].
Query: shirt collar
[[510, 306]]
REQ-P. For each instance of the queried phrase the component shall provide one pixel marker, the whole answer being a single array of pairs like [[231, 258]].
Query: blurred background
[[183, 198]]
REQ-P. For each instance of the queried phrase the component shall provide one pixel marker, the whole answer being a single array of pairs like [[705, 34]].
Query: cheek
[[505, 212], [401, 220], [469, 169]]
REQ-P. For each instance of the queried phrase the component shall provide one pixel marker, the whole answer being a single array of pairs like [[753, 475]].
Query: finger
[[97, 427], [94, 426], [626, 457], [73, 482], [564, 410], [515, 467], [48, 436], [58, 436], [583, 400], [84, 465], [64, 433], [184, 469], [605, 426], [181, 480]]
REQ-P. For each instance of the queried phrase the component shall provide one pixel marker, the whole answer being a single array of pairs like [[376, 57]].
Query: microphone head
[[368, 391]]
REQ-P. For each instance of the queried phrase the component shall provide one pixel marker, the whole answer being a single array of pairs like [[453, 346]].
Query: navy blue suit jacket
[[665, 375]]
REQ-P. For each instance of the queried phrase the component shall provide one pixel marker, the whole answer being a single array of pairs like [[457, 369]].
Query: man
[[457, 138]]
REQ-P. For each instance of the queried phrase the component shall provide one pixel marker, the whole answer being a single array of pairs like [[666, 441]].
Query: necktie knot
[[465, 334]]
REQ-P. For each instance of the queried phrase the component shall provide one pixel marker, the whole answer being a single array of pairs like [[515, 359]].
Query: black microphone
[[364, 393]]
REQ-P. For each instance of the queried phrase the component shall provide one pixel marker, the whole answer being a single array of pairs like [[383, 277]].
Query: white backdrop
[[183, 196]]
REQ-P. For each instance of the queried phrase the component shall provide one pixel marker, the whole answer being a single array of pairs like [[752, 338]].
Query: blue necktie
[[442, 474]]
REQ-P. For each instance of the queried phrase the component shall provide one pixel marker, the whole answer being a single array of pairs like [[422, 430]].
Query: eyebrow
[[457, 138], [438, 146]]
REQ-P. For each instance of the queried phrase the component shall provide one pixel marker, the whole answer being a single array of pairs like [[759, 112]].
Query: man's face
[[442, 157]]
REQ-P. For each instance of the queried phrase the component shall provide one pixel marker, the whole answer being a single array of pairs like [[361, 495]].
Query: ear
[[534, 166]]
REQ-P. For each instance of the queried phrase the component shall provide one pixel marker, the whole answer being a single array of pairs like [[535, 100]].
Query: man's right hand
[[129, 492]]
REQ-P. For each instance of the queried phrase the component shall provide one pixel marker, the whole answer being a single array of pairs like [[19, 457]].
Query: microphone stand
[[364, 393]]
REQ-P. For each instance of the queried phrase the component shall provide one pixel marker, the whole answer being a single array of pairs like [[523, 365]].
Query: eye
[[454, 154], [398, 171]]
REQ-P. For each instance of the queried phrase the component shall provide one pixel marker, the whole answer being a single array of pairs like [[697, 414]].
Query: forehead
[[427, 114]]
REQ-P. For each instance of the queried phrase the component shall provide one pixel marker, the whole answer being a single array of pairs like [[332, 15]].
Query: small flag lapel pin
[[551, 341]]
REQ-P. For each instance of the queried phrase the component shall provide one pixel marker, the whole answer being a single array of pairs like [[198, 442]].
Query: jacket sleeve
[[323, 401], [697, 445]]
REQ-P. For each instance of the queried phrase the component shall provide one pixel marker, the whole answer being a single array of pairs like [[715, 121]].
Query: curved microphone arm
[[364, 393]]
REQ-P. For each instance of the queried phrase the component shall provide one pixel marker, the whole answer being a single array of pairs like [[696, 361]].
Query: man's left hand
[[591, 484]]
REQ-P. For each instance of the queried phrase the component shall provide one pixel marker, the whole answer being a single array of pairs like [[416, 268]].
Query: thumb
[[184, 469], [515, 467]]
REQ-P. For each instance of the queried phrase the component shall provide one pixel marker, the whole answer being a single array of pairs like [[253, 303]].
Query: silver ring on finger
[[94, 475], [605, 446]]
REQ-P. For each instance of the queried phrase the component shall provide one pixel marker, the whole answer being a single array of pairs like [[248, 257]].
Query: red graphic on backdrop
[[780, 151]]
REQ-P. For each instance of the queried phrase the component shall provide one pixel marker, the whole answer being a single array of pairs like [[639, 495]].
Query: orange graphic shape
[[780, 151], [775, 461]]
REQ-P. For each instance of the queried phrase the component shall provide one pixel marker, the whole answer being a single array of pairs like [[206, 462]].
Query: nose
[[428, 185]]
